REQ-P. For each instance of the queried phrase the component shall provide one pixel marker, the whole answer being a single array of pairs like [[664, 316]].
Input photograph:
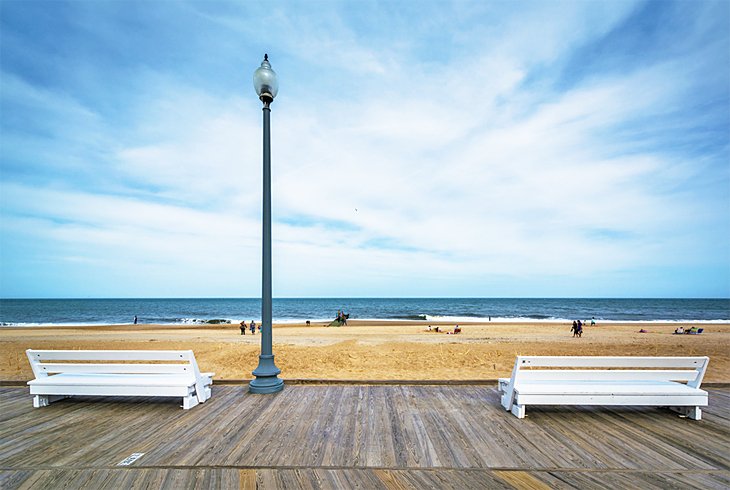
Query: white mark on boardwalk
[[130, 459]]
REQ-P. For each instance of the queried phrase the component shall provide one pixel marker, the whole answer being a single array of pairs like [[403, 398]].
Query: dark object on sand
[[340, 320]]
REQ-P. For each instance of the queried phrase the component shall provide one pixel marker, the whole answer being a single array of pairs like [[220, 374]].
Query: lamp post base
[[267, 380]]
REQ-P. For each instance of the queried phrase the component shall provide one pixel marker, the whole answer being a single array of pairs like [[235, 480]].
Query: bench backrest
[[690, 369], [45, 362], [687, 369]]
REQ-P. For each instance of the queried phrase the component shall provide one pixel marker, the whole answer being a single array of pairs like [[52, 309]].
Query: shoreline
[[369, 322]]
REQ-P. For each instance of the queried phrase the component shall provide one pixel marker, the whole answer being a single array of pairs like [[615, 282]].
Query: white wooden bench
[[58, 374], [647, 381]]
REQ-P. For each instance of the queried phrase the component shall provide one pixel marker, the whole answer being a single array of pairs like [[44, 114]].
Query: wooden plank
[[522, 480], [390, 480], [247, 479], [309, 478]]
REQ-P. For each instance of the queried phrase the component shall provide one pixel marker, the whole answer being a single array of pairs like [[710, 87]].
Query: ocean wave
[[65, 324], [409, 317], [413, 318], [198, 321], [459, 318]]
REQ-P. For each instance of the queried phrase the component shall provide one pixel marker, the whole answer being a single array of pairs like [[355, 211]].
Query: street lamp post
[[267, 380]]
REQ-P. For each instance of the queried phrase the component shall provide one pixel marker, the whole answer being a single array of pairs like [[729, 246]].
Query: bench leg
[[502, 386], [504, 401], [202, 392], [693, 413], [190, 401], [45, 400], [518, 411]]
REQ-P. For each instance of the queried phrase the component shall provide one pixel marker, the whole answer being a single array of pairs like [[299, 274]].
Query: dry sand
[[375, 350]]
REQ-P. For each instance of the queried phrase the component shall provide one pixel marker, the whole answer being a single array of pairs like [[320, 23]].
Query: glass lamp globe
[[265, 81]]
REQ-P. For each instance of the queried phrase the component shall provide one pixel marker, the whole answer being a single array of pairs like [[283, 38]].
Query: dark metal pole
[[266, 373], [266, 305]]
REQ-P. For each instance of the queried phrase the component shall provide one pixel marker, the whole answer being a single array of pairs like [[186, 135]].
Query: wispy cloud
[[440, 149]]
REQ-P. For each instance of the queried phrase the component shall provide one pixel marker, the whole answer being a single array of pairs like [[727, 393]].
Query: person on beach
[[679, 330], [576, 328], [593, 321], [243, 327], [253, 327], [135, 319], [457, 329]]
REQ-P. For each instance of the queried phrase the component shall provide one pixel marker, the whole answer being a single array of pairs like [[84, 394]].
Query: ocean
[[30, 312]]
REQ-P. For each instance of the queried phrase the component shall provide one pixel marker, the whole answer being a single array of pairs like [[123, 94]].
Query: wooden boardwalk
[[357, 436]]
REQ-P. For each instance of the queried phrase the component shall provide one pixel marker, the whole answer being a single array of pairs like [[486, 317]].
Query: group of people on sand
[[682, 330], [252, 326], [342, 317], [437, 329], [577, 327]]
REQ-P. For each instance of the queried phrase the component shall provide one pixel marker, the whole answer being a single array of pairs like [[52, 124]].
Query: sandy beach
[[375, 350]]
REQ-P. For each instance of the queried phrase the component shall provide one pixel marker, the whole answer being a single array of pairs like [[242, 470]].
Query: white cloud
[[445, 170]]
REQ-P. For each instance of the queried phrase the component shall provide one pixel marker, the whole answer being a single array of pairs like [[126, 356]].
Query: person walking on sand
[[593, 321], [253, 327], [243, 327], [135, 319]]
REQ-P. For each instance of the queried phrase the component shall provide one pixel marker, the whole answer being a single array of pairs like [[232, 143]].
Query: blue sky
[[496, 149]]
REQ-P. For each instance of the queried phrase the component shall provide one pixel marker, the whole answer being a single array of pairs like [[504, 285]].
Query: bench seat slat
[[625, 387], [657, 400], [113, 390], [114, 379]]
